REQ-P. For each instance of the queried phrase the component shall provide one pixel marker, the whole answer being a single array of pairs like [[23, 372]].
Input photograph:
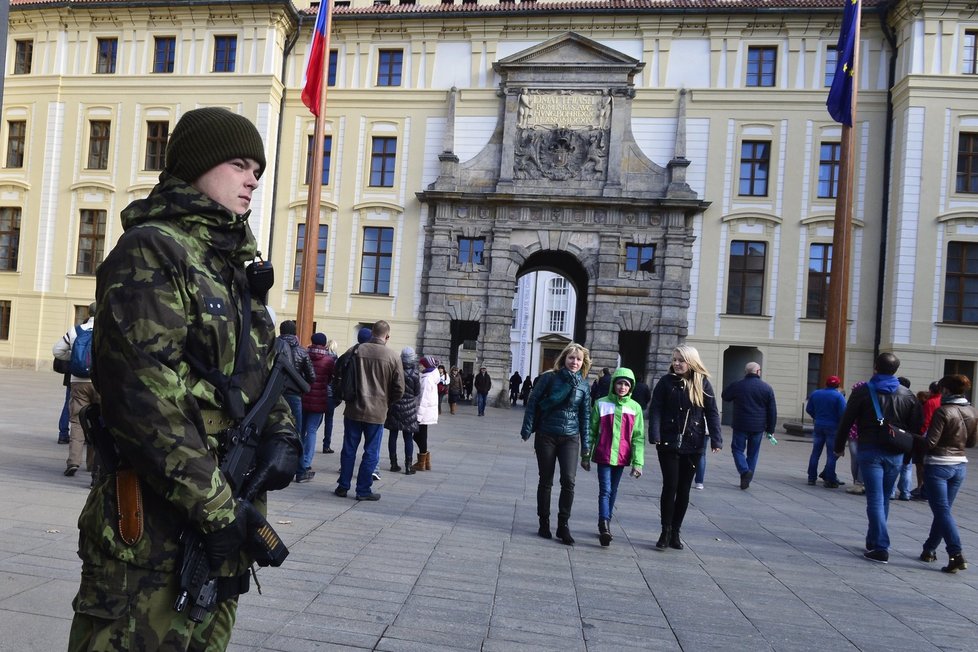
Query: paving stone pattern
[[449, 559]]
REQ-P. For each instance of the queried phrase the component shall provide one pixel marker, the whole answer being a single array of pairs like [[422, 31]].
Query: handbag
[[899, 440]]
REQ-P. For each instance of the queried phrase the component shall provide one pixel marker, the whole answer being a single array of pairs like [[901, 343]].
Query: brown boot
[[427, 461], [452, 406], [419, 465]]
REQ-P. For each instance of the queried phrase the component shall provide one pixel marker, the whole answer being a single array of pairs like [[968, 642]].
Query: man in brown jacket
[[380, 383]]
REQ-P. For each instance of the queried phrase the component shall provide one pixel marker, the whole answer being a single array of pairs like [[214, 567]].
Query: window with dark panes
[[961, 283], [16, 143], [389, 67], [745, 279], [819, 271], [755, 163], [157, 133], [331, 75], [164, 52], [5, 319], [300, 247], [98, 144], [639, 258], [23, 57], [970, 53], [9, 238], [91, 240], [828, 169], [105, 55], [761, 65], [383, 153], [831, 63], [814, 373], [376, 261], [225, 52], [327, 156], [470, 250], [967, 179]]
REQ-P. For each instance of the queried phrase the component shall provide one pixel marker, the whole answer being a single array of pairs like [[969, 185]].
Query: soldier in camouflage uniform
[[171, 297]]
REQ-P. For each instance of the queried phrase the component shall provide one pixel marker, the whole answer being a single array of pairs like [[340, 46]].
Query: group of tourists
[[199, 418]]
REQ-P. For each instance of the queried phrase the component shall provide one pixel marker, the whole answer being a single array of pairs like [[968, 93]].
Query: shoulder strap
[[876, 402]]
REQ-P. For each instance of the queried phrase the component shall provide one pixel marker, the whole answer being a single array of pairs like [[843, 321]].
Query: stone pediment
[[569, 49]]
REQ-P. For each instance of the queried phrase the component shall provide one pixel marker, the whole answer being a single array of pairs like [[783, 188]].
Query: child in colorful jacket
[[617, 437]]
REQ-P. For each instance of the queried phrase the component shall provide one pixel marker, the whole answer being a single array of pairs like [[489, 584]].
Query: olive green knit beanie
[[204, 138]]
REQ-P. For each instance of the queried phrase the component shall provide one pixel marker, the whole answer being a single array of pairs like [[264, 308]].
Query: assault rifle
[[196, 586]]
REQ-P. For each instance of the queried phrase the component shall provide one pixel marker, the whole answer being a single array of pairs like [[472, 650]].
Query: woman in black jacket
[[558, 412], [402, 416], [683, 413]]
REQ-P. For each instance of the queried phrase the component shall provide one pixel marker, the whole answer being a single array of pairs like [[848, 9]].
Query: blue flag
[[839, 101]]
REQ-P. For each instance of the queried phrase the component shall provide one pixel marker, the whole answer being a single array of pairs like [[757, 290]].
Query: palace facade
[[672, 163]]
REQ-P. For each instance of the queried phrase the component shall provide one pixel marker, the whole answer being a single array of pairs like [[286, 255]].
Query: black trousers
[[551, 450], [678, 470], [421, 438]]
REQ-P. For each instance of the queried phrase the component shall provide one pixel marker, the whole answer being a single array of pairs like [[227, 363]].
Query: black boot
[[563, 533], [954, 563], [604, 533], [664, 538], [544, 530], [395, 467], [674, 541]]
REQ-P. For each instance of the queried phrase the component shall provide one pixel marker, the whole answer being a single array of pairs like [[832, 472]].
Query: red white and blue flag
[[315, 68]]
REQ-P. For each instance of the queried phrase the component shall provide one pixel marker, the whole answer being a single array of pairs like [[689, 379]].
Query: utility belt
[[128, 488]]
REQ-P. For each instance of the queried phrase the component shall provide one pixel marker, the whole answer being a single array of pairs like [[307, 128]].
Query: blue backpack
[[81, 353]]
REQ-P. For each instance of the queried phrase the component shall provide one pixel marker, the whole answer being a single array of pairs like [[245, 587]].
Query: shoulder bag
[[896, 439]]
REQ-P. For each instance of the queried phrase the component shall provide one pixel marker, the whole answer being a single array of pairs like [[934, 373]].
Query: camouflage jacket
[[171, 287]]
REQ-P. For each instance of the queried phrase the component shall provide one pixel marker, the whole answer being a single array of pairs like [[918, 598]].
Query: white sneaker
[[375, 475], [699, 485]]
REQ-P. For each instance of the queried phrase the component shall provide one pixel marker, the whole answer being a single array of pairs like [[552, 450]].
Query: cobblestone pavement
[[449, 559]]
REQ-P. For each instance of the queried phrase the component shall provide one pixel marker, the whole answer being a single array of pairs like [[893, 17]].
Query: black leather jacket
[[900, 408], [675, 423]]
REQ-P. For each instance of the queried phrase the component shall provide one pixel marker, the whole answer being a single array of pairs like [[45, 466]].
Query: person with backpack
[[75, 348], [316, 403], [302, 363]]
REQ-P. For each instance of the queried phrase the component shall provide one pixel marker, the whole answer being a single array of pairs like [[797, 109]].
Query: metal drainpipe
[[887, 157], [278, 144]]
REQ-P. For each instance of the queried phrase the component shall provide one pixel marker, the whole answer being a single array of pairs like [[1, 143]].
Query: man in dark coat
[[483, 383], [755, 413]]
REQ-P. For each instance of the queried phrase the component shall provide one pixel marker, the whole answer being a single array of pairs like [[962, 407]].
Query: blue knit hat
[[319, 339], [364, 335]]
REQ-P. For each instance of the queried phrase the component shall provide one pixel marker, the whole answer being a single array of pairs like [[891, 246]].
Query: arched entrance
[[561, 186], [735, 359]]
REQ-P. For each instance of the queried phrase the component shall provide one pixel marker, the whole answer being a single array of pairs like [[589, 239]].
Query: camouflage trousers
[[121, 608]]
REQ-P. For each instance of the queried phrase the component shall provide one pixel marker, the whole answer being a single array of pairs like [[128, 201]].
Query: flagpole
[[310, 250], [836, 321]]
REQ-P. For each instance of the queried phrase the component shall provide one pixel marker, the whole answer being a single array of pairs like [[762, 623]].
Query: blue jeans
[[746, 448], [481, 402], [372, 434], [701, 469], [608, 479], [64, 422], [823, 438], [941, 484], [408, 446], [879, 470], [295, 404], [310, 426], [904, 482]]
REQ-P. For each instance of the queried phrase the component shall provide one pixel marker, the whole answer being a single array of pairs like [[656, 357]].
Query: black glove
[[277, 461], [225, 543]]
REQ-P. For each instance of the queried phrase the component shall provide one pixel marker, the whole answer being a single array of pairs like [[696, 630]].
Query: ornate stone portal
[[562, 186]]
